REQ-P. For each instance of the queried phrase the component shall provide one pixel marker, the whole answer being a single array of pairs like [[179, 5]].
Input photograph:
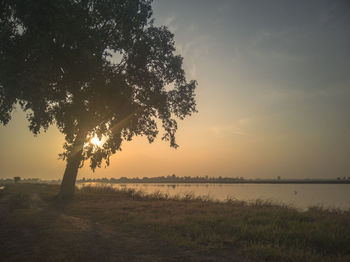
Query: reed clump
[[196, 228]]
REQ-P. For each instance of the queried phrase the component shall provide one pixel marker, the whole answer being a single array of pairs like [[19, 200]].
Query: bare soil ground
[[104, 224], [37, 229]]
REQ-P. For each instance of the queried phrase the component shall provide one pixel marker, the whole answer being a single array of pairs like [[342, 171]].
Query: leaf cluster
[[91, 67]]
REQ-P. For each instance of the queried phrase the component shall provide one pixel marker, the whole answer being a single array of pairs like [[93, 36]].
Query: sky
[[273, 98]]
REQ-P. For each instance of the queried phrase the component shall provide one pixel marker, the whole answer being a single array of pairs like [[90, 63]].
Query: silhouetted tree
[[17, 179], [91, 67]]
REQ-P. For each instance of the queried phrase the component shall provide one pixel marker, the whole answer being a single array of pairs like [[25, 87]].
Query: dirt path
[[36, 231]]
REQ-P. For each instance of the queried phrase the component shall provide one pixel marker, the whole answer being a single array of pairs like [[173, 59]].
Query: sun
[[95, 141]]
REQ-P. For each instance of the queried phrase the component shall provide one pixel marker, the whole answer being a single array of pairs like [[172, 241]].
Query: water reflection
[[298, 195]]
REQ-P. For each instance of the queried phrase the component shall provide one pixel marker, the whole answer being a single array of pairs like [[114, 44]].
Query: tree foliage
[[91, 67]]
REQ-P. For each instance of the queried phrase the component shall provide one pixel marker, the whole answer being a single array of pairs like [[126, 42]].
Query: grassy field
[[104, 224]]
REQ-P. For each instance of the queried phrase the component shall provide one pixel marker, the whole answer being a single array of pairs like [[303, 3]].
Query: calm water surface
[[298, 195]]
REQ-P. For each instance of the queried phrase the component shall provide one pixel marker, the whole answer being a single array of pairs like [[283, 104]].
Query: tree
[[91, 67], [16, 179]]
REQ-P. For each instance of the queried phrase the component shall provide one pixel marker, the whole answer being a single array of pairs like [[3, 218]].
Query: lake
[[298, 195]]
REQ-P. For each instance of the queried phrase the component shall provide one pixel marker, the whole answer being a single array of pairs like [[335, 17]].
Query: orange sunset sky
[[273, 98]]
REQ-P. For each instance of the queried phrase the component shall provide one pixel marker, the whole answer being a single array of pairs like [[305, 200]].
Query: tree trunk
[[71, 172]]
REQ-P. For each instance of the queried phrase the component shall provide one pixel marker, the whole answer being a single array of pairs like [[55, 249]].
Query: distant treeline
[[221, 180], [187, 179]]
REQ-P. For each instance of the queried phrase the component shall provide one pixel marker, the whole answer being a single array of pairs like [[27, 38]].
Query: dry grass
[[110, 223]]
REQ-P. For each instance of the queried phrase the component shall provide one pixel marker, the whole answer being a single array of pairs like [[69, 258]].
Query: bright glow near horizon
[[273, 98]]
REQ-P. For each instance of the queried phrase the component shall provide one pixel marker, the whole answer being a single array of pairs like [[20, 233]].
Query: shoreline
[[124, 225]]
